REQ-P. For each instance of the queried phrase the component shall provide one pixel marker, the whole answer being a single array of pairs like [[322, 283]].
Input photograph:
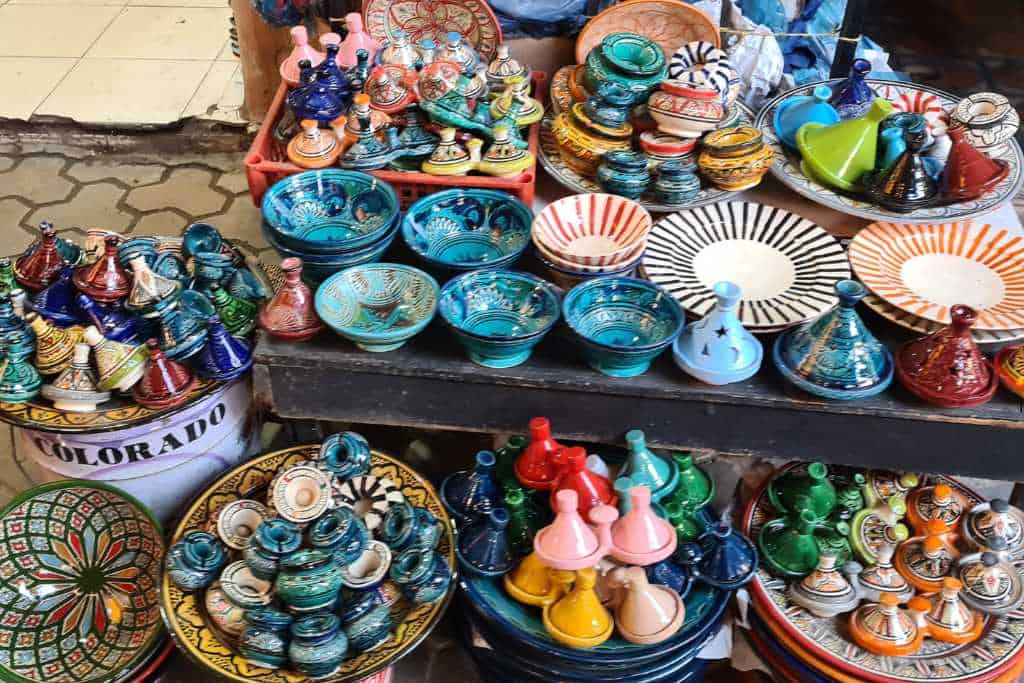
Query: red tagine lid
[[290, 314], [969, 174], [537, 466], [105, 280], [41, 264], [591, 488], [947, 368], [165, 383]]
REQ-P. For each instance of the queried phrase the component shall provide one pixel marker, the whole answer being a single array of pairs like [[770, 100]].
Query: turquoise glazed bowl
[[498, 315], [622, 323], [460, 230], [378, 306], [329, 211], [318, 267]]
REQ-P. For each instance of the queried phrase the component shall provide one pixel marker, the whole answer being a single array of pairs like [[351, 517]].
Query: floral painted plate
[[785, 265], [80, 564], [669, 23], [999, 650], [922, 99], [571, 180], [923, 326], [433, 19], [186, 617], [926, 269]]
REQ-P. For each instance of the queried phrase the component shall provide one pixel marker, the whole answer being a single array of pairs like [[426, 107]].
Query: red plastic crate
[[266, 163]]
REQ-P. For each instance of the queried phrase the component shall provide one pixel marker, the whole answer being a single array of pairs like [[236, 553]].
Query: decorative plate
[[998, 650], [925, 269], [571, 180], [118, 413], [80, 564], [785, 265], [905, 97], [522, 624], [186, 617], [434, 19], [669, 23], [922, 326]]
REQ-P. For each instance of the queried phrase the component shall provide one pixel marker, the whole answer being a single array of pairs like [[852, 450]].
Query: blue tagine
[[717, 349], [835, 356]]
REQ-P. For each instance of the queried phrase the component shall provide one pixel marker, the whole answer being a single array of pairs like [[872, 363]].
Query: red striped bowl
[[592, 229]]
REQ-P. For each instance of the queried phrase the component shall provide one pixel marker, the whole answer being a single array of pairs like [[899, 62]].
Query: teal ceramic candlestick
[[264, 642], [318, 646], [308, 581], [647, 469], [717, 349]]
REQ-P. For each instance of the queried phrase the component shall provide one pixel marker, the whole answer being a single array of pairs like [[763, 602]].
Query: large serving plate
[[669, 23], [186, 616], [926, 269], [905, 97], [421, 19], [825, 640], [522, 624], [923, 326], [80, 564], [785, 265], [571, 180]]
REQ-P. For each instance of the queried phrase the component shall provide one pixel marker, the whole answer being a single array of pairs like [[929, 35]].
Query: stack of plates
[[508, 641], [807, 649], [785, 265], [916, 272]]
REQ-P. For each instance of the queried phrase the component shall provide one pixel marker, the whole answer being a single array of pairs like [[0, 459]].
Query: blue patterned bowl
[[460, 230], [318, 267], [378, 306], [329, 211], [622, 323], [498, 315]]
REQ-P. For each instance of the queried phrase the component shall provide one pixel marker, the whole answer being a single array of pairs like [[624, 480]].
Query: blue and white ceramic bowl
[[329, 211], [318, 267], [378, 306], [460, 230], [499, 316], [622, 323]]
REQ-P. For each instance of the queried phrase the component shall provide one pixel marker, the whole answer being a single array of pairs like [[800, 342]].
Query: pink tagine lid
[[567, 543], [640, 537]]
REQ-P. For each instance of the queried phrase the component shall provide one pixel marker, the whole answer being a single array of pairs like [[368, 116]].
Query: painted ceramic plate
[[785, 265], [434, 19], [923, 326], [79, 600], [669, 23], [999, 649], [926, 269], [905, 97], [186, 617], [571, 180]]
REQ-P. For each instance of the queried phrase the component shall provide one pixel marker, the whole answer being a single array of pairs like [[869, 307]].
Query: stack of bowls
[[331, 219], [459, 230], [590, 235]]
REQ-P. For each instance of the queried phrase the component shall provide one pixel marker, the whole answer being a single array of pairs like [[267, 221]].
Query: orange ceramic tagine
[[530, 583], [885, 629], [578, 619], [313, 147], [935, 502], [949, 619], [926, 560]]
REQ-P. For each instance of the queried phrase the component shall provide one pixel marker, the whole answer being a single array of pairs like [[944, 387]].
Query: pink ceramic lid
[[640, 531], [567, 540]]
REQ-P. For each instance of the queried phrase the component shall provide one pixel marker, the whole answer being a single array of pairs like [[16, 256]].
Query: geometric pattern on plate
[[79, 570], [427, 19], [191, 627], [787, 162], [922, 326], [926, 269], [785, 265], [827, 639]]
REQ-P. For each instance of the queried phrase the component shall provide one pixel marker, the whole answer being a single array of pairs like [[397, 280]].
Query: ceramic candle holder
[[318, 646], [301, 493], [369, 569], [237, 522], [273, 539], [340, 533], [422, 576], [194, 562], [345, 455], [408, 527], [264, 642], [367, 621], [368, 496]]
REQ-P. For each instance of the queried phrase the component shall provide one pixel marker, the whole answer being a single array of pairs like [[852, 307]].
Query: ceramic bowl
[[622, 323], [592, 229], [377, 306], [329, 211], [318, 267], [460, 230], [499, 316], [567, 278], [570, 267]]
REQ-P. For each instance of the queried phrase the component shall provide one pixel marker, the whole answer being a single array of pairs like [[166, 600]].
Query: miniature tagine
[[795, 111], [577, 619], [717, 349], [907, 185], [75, 389], [885, 629], [991, 584], [835, 356], [314, 147], [290, 313], [969, 173], [536, 467], [645, 468], [992, 522], [852, 97], [503, 159], [839, 155], [825, 592], [647, 613], [947, 368]]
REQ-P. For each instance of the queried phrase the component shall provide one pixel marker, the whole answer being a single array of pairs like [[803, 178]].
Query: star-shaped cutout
[[721, 331]]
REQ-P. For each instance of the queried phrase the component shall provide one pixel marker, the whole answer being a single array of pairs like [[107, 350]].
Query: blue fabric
[[539, 18], [768, 13]]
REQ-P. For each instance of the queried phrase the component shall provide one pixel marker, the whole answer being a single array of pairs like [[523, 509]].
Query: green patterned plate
[[80, 564], [186, 617]]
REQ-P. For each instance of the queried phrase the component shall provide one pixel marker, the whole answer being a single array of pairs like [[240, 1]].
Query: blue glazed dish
[[795, 111], [329, 211], [499, 316], [318, 267], [378, 306], [460, 230], [622, 323]]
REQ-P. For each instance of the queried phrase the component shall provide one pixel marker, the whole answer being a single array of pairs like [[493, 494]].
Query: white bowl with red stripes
[[592, 229]]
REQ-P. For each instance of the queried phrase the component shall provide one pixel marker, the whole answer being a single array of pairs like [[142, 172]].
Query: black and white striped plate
[[785, 265]]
